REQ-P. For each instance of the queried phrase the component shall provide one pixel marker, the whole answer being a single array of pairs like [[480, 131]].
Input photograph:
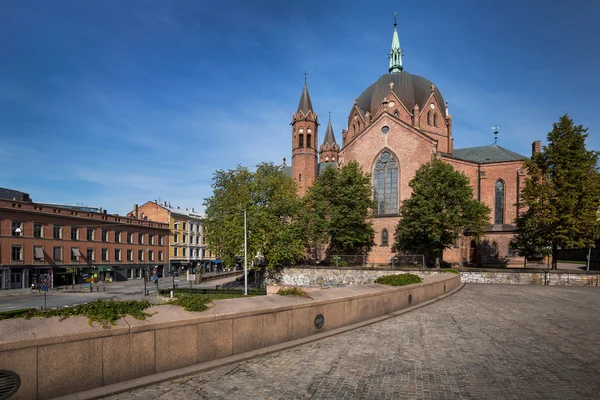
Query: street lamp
[[245, 256]]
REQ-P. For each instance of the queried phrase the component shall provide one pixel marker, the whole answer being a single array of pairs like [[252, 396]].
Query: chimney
[[135, 210], [536, 147]]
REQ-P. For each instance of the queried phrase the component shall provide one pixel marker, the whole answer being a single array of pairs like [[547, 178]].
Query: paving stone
[[484, 342]]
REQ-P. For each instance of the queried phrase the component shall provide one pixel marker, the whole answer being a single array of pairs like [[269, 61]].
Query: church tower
[[305, 138], [328, 152]]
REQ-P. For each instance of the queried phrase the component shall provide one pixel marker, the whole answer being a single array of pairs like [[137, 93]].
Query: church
[[396, 125]]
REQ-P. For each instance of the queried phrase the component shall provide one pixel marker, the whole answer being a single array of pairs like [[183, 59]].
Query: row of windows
[[57, 254], [59, 232], [194, 227], [308, 141], [433, 122], [194, 253], [192, 239]]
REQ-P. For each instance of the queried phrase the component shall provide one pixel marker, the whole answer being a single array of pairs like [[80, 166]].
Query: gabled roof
[[487, 154], [305, 104]]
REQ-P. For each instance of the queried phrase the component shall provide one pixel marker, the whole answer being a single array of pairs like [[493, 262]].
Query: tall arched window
[[300, 140], [435, 119], [428, 117], [499, 203], [384, 238], [385, 184], [494, 249], [308, 141]]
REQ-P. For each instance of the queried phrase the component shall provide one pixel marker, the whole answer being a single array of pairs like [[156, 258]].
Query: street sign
[[191, 277], [45, 288]]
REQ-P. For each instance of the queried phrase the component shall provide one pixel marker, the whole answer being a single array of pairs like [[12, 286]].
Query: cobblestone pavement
[[484, 342]]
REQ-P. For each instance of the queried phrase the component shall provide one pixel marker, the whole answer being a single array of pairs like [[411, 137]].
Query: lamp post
[[245, 257]]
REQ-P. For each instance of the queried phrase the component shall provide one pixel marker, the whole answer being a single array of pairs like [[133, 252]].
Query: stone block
[[24, 363], [247, 333], [127, 357], [275, 328], [215, 340], [176, 347], [300, 326]]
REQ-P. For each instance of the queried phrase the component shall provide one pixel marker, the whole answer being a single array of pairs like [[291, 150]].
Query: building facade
[[187, 249], [395, 126], [54, 246]]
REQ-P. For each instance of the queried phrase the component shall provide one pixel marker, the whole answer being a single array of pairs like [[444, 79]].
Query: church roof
[[305, 104], [329, 136], [487, 154]]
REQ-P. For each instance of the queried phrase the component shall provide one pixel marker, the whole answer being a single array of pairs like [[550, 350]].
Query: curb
[[138, 383]]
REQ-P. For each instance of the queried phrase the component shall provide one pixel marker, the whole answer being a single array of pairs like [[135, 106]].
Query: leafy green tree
[[561, 197], [440, 209], [272, 208], [337, 207]]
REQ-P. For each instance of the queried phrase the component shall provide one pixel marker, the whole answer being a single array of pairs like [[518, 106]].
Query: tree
[[561, 197], [440, 209], [272, 208], [337, 207]]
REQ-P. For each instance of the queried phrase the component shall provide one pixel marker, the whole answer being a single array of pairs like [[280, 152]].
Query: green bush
[[191, 302], [16, 313], [452, 271], [399, 279], [297, 292]]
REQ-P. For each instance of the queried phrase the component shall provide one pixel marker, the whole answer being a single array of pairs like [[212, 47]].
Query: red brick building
[[57, 245], [396, 125]]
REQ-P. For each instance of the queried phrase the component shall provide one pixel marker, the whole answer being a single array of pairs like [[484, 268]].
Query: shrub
[[191, 302], [297, 292], [452, 271], [399, 279]]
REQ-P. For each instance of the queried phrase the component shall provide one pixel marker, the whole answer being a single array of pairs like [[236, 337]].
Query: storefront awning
[[38, 252]]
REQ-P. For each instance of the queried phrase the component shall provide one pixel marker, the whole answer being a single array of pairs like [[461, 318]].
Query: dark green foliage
[[451, 271], [16, 313], [296, 292], [440, 209], [272, 206], [337, 207], [104, 312], [560, 201], [399, 279], [191, 302]]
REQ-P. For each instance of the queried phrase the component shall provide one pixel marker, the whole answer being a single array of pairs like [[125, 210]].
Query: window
[[494, 249], [129, 255], [90, 254], [385, 184], [395, 113], [176, 225], [129, 237], [435, 119], [161, 240], [57, 253], [117, 237], [385, 130], [175, 237], [499, 203], [151, 255], [104, 254], [300, 178], [140, 238], [75, 253], [117, 254], [90, 234], [428, 117], [183, 252], [140, 255], [38, 253], [17, 228], [512, 251], [175, 252], [38, 230], [57, 232], [384, 238], [300, 140], [160, 255], [17, 253], [184, 238], [104, 235], [151, 238], [74, 233], [183, 226], [308, 141]]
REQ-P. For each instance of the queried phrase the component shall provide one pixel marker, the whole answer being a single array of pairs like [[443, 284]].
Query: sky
[[110, 103]]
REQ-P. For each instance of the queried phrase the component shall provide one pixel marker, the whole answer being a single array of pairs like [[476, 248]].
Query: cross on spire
[[329, 112], [305, 75]]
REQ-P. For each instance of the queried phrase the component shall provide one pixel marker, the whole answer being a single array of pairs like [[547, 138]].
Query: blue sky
[[110, 103]]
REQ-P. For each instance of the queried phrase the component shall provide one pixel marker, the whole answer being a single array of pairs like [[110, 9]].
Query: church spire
[[305, 104], [329, 136], [396, 52]]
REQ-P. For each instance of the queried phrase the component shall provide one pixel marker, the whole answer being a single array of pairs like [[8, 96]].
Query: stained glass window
[[385, 184], [499, 203], [384, 238]]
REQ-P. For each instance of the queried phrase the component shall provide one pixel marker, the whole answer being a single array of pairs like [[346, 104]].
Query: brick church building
[[396, 125]]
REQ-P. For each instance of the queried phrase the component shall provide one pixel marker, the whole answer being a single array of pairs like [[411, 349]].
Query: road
[[484, 342], [129, 290]]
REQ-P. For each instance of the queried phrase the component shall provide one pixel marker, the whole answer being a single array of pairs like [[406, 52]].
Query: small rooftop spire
[[305, 104], [496, 129], [396, 52], [329, 136]]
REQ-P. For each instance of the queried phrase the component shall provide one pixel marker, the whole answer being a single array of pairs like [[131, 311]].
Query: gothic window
[[308, 139], [499, 203], [395, 113], [300, 140], [428, 117], [385, 184], [494, 250], [384, 238], [300, 178], [435, 119]]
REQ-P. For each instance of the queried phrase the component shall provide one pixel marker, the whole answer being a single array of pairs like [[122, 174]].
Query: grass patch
[[296, 292], [399, 279], [573, 262], [105, 313], [451, 271]]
